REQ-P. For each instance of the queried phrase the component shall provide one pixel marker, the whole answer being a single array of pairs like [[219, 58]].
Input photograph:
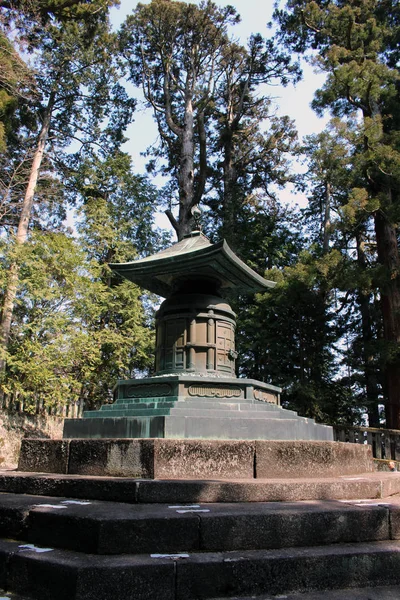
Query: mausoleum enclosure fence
[[12, 404], [385, 442]]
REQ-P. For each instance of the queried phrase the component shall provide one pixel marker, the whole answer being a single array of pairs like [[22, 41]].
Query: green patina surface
[[134, 407], [193, 258]]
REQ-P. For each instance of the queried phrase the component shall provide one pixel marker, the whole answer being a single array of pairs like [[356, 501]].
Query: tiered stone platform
[[182, 406], [271, 520], [74, 537]]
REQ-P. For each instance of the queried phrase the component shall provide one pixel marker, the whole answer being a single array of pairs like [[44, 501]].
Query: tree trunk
[[369, 362], [186, 173], [327, 218], [388, 257], [228, 226], [22, 234]]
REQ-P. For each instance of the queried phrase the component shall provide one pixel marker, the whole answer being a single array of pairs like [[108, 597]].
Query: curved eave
[[216, 262]]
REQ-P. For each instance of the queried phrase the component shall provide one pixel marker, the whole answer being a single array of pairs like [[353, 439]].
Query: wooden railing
[[385, 442], [69, 410]]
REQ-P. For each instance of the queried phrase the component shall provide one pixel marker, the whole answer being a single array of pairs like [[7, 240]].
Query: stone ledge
[[195, 459], [123, 489], [114, 528], [311, 459]]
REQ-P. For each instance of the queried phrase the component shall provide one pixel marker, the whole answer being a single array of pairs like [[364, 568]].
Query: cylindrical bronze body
[[196, 334]]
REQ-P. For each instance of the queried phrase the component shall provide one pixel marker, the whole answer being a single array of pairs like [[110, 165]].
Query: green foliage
[[15, 82], [74, 334], [76, 329], [291, 339]]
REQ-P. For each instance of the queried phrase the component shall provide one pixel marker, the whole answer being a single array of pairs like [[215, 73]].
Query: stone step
[[188, 411], [99, 527], [140, 400], [232, 406], [132, 412], [218, 413], [231, 428], [214, 410], [132, 406], [194, 459], [139, 491], [46, 573], [369, 593]]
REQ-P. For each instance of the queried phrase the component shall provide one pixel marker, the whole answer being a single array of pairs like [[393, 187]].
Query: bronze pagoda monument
[[195, 392]]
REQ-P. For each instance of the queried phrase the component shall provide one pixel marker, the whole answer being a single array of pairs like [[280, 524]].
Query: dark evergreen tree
[[356, 44]]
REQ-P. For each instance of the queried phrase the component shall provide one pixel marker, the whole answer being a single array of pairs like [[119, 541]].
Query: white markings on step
[[193, 510], [371, 504], [80, 502], [189, 508], [58, 506], [351, 501], [185, 506], [35, 548], [173, 556]]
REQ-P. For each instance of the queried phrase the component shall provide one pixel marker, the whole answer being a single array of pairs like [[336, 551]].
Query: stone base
[[195, 459], [194, 407]]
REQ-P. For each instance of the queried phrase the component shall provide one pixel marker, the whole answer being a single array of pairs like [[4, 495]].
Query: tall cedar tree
[[201, 86], [337, 222], [356, 44], [174, 52]]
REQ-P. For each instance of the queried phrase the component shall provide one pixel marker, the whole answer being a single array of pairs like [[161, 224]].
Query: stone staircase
[[70, 537]]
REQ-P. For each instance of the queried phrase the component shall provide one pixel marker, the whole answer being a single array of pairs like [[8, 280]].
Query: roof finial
[[196, 214]]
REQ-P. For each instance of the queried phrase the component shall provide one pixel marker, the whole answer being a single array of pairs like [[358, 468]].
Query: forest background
[[71, 85]]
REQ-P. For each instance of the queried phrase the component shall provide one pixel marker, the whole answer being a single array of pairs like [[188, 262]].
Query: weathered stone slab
[[119, 528], [75, 576], [199, 459], [258, 490], [44, 456], [113, 489], [288, 525], [294, 569], [203, 459], [311, 459], [14, 511], [391, 484], [114, 528], [117, 458], [394, 516], [118, 489]]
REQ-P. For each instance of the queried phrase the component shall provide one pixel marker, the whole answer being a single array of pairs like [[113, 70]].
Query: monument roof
[[194, 257]]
